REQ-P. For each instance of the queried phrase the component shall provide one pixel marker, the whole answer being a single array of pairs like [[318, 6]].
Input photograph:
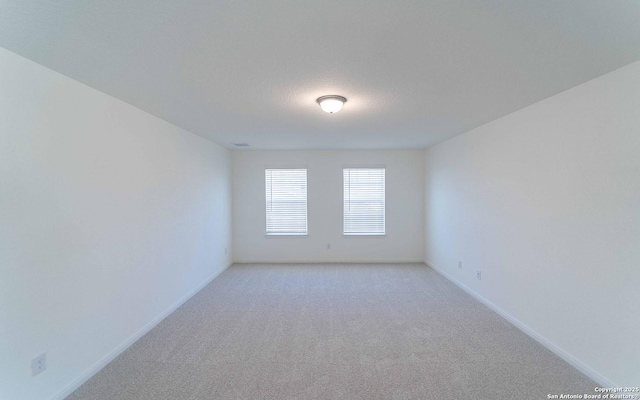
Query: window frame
[[266, 219], [384, 209]]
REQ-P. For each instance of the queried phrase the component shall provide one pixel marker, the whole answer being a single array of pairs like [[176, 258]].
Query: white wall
[[109, 217], [404, 208], [546, 202]]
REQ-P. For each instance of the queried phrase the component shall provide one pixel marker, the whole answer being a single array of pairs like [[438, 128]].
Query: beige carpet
[[328, 331]]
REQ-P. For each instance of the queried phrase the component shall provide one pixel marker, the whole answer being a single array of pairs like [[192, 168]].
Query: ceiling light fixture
[[332, 103]]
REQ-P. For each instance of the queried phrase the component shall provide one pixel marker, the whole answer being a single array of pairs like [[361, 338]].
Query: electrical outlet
[[226, 250], [479, 275], [38, 364], [459, 264], [328, 246]]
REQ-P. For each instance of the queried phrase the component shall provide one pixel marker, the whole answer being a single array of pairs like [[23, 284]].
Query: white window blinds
[[286, 200], [364, 201]]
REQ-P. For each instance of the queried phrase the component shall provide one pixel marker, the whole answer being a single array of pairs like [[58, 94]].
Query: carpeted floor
[[329, 331]]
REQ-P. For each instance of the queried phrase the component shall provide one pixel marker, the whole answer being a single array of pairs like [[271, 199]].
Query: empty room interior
[[319, 200]]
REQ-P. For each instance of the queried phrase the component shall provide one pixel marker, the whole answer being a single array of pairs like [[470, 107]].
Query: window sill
[[286, 235], [371, 235]]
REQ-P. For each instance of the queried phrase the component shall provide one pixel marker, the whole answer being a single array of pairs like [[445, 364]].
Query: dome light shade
[[331, 104]]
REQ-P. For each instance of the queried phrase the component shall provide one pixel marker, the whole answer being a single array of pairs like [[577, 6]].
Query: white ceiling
[[414, 72]]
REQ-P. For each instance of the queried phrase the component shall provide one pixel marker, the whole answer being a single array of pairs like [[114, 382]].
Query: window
[[286, 200], [364, 201]]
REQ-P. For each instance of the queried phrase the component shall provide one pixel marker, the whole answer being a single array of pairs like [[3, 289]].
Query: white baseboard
[[70, 388], [577, 364], [327, 261]]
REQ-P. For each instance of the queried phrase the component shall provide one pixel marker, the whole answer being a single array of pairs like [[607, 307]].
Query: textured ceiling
[[414, 72]]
